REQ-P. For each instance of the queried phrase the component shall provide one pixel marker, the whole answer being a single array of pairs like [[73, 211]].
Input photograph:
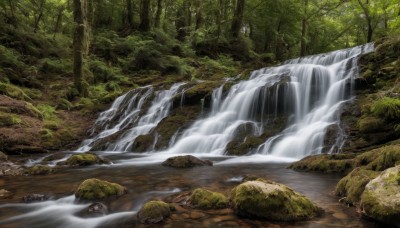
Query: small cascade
[[303, 97], [125, 119], [309, 90]]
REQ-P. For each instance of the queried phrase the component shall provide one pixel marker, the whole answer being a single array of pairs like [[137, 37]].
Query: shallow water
[[153, 181]]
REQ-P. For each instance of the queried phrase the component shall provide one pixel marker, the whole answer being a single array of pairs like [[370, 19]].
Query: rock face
[[381, 198], [154, 212], [95, 189], [272, 201], [39, 170], [96, 210], [85, 159], [31, 198], [4, 194], [205, 199], [353, 185], [187, 161]]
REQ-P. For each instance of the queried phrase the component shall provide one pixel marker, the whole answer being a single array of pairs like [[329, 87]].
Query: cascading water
[[310, 89], [125, 117], [308, 92]]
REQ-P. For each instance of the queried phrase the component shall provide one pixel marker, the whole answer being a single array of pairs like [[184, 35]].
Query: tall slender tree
[[237, 22], [145, 16], [78, 44]]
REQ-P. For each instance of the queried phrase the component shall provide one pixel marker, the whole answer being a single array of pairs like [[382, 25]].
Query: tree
[[145, 16], [78, 44], [237, 19]]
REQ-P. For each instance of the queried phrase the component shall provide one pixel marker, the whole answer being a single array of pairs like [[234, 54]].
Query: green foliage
[[48, 112], [370, 124], [7, 119], [386, 107], [13, 91], [205, 199]]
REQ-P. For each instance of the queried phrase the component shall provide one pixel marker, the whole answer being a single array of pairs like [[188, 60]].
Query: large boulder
[[352, 186], [205, 199], [39, 170], [186, 161], [154, 212], [95, 189], [85, 159], [272, 201], [381, 198]]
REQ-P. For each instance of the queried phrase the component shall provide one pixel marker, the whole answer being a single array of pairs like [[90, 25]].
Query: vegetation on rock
[[186, 161], [381, 198], [154, 212], [272, 201], [39, 170], [85, 159], [205, 199], [95, 189]]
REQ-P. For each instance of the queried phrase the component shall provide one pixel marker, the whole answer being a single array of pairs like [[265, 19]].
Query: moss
[[46, 134], [272, 201], [352, 185], [370, 124], [386, 107], [205, 199], [250, 143], [187, 161], [39, 170], [386, 157], [8, 120], [381, 198], [47, 111], [86, 159], [33, 110], [341, 163], [13, 91], [154, 212], [95, 189]]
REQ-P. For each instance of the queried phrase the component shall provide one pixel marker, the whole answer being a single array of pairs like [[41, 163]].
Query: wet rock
[[272, 201], [4, 194], [39, 170], [352, 185], [96, 210], [205, 199], [238, 147], [85, 159], [54, 157], [10, 169], [326, 163], [3, 157], [154, 212], [31, 198], [95, 189], [187, 161], [196, 215], [381, 198], [331, 134], [143, 143]]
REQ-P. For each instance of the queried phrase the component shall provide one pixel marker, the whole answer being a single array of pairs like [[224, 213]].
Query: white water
[[311, 89], [308, 91], [124, 116]]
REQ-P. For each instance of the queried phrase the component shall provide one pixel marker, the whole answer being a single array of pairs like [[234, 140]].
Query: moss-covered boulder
[[186, 161], [205, 199], [143, 143], [272, 201], [352, 186], [326, 163], [95, 189], [39, 170], [85, 159], [154, 212], [381, 158], [381, 198]]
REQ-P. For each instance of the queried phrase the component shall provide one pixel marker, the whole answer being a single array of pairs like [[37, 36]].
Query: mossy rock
[[381, 158], [154, 212], [370, 124], [85, 159], [39, 170], [352, 186], [272, 201], [381, 198], [95, 189], [143, 143], [326, 163], [7, 119], [236, 147], [186, 161], [205, 199]]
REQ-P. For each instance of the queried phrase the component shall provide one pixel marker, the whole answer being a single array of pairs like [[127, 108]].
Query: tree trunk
[[304, 23], [145, 16], [39, 17], [157, 22], [58, 21], [78, 44], [370, 30], [129, 13], [199, 16], [180, 23], [237, 19]]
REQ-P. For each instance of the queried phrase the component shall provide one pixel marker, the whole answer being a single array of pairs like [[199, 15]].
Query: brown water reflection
[[146, 182]]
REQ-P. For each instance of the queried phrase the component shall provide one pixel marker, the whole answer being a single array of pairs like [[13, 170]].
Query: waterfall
[[125, 120], [309, 90], [306, 92]]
